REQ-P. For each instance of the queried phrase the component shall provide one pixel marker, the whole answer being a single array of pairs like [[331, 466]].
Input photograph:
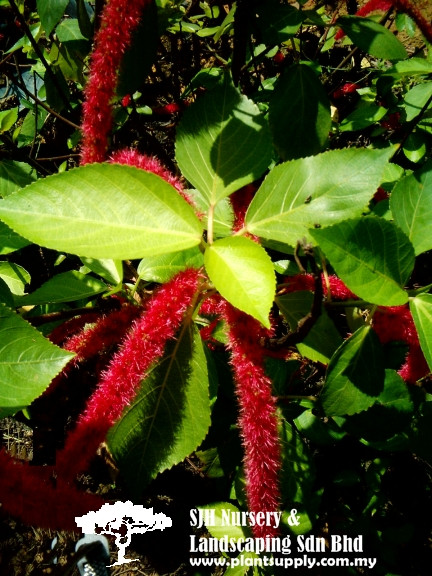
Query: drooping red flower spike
[[144, 344], [119, 20], [337, 288], [395, 323], [258, 420], [31, 494]]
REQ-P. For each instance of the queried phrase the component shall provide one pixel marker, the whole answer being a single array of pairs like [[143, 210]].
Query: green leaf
[[163, 268], [15, 277], [9, 240], [65, 287], [372, 256], [355, 375], [170, 416], [84, 23], [296, 306], [69, 34], [8, 119], [298, 469], [6, 295], [421, 310], [50, 12], [278, 22], [388, 416], [14, 175], [372, 38], [411, 206], [411, 67], [243, 273], [315, 191], [28, 362], [299, 106], [416, 146], [223, 142], [103, 211], [416, 98], [109, 270], [364, 115]]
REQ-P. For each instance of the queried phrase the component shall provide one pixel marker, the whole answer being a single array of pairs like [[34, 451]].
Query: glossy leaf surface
[[223, 142], [243, 273], [103, 211], [315, 191]]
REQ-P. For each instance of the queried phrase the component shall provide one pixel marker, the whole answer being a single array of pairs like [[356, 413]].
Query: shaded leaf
[[372, 37], [223, 142], [411, 206], [65, 287], [28, 362], [170, 416], [14, 175], [317, 348], [371, 255], [299, 113], [355, 375], [50, 12]]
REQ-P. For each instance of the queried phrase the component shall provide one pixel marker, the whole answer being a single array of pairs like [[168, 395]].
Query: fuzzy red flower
[[258, 420], [119, 20], [31, 494], [337, 288], [395, 323], [149, 163], [143, 345]]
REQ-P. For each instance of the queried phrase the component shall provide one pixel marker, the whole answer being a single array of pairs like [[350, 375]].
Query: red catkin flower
[[143, 345], [119, 20], [395, 323], [258, 420], [240, 201], [30, 494], [149, 163], [347, 88], [152, 164], [338, 290]]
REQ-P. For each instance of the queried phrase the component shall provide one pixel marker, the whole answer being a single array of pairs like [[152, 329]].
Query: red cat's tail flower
[[119, 20], [258, 420], [338, 290], [143, 345], [395, 323], [30, 494]]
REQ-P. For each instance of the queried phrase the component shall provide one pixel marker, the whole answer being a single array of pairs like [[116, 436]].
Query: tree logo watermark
[[121, 520]]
